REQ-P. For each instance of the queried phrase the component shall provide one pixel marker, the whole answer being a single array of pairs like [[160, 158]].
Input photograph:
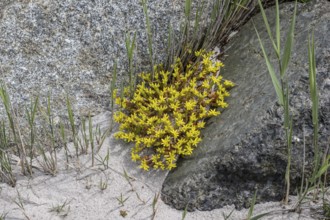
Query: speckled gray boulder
[[69, 47], [62, 46], [244, 150]]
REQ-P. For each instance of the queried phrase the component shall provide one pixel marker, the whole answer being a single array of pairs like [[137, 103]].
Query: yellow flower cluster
[[165, 114]]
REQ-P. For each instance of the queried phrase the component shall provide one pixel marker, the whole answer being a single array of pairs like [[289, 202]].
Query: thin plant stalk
[[91, 138], [112, 90], [149, 35], [31, 120], [64, 140], [6, 172], [72, 124], [12, 124], [314, 98], [281, 86], [52, 130], [251, 209], [130, 47]]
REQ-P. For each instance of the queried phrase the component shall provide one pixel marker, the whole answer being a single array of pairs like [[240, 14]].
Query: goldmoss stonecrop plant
[[165, 114]]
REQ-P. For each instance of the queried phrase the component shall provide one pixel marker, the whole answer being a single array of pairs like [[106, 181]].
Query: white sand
[[79, 187]]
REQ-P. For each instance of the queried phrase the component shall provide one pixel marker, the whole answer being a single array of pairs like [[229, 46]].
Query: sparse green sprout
[[104, 161], [103, 185], [154, 205], [6, 172], [121, 199], [166, 113], [62, 209], [281, 85], [72, 125], [251, 209], [184, 213], [3, 216]]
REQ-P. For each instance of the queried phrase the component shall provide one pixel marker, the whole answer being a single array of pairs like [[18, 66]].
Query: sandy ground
[[86, 192]]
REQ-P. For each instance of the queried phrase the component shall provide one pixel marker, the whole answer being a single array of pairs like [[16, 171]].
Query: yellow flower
[[118, 101], [195, 141], [193, 117], [206, 84], [179, 122], [188, 151], [215, 79], [155, 158], [144, 165], [159, 133], [166, 119], [135, 157], [213, 112], [119, 117], [228, 83], [174, 106], [206, 61], [222, 104], [166, 141], [171, 166], [200, 124], [175, 133], [167, 111], [148, 141], [130, 137], [198, 53], [190, 105]]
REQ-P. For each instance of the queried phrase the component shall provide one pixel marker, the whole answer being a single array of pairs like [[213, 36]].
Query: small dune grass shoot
[[166, 112]]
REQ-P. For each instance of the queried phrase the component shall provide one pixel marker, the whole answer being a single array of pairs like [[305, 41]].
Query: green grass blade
[[260, 216], [149, 35], [184, 214], [130, 47], [272, 74], [276, 48], [113, 85], [278, 32], [187, 8], [324, 168], [289, 43], [70, 115], [251, 209], [312, 79]]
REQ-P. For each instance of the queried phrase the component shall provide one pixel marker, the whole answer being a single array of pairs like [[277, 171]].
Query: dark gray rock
[[244, 148]]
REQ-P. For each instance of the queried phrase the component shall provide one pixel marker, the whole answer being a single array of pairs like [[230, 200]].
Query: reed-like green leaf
[[272, 74], [130, 47], [276, 48], [184, 213], [187, 8], [149, 35], [113, 85], [288, 44], [251, 209], [278, 32], [91, 137], [312, 79], [323, 169]]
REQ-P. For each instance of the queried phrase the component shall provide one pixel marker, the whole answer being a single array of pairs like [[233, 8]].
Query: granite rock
[[243, 149], [69, 47]]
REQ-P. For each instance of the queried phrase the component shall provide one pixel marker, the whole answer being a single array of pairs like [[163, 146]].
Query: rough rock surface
[[244, 148], [70, 47]]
